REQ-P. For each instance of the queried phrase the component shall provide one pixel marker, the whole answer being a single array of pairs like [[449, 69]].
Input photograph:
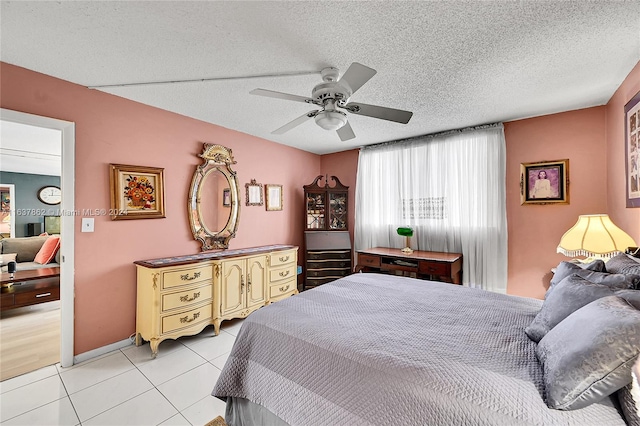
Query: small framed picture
[[226, 197], [274, 197], [545, 182], [632, 150], [137, 192], [254, 193]]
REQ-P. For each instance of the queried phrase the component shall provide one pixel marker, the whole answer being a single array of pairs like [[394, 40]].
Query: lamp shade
[[594, 235]]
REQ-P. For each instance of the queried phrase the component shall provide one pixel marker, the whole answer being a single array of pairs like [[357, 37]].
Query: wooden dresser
[[328, 257], [180, 296]]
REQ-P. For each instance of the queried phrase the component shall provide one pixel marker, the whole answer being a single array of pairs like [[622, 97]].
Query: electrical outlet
[[87, 224]]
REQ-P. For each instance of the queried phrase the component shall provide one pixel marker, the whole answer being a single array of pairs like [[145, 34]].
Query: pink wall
[[110, 129], [535, 230], [626, 218]]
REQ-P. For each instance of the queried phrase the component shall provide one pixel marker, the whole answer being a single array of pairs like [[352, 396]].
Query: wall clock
[[50, 195]]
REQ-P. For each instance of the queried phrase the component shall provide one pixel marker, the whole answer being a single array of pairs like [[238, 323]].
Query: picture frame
[[137, 192], [274, 197], [226, 197], [544, 182], [254, 193], [632, 151]]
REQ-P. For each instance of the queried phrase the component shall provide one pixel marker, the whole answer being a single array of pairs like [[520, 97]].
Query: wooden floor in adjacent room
[[29, 338]]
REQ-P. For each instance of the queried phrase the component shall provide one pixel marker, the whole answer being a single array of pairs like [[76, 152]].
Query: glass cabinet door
[[316, 211], [337, 210]]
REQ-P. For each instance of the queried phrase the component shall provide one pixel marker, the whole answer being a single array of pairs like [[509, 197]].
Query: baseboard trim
[[101, 351]]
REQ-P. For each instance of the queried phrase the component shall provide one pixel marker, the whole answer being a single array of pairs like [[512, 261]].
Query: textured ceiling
[[454, 64]]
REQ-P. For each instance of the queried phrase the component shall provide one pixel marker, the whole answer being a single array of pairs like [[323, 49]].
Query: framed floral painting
[[632, 150], [137, 192]]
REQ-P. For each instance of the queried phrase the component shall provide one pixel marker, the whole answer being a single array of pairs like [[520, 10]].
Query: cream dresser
[[180, 296]]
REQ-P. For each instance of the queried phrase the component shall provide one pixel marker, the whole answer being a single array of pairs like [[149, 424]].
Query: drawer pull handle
[[186, 319], [43, 295], [185, 298], [283, 258], [284, 273], [186, 277], [283, 289]]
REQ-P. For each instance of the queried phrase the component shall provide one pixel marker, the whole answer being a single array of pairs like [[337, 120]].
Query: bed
[[374, 349]]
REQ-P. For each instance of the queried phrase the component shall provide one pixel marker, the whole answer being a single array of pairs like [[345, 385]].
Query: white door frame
[[67, 221], [12, 209]]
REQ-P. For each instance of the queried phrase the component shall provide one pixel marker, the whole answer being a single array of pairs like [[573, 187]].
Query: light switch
[[87, 224]]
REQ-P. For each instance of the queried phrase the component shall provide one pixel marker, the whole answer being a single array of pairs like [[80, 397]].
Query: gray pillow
[[569, 295], [25, 247], [623, 264], [628, 406], [589, 355], [594, 272]]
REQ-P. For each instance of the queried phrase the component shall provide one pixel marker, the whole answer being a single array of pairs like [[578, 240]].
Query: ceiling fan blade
[[346, 132], [384, 113], [356, 76], [298, 121], [280, 95]]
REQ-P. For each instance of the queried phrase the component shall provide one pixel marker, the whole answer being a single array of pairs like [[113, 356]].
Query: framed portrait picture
[[632, 150], [545, 182], [226, 197], [137, 192], [274, 197], [254, 193]]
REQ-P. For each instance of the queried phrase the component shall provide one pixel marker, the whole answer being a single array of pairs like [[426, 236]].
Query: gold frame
[[556, 172], [142, 207], [273, 194], [254, 189]]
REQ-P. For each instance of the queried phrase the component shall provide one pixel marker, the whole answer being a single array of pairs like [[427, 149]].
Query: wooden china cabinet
[[328, 245]]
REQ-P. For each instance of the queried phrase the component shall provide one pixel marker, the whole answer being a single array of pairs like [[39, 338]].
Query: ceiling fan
[[333, 94]]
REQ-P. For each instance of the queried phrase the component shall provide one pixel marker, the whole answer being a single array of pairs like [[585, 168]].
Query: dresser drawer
[[329, 254], [185, 298], [282, 288], [324, 264], [328, 272], [186, 276], [283, 273], [369, 260], [282, 258], [434, 268], [186, 319]]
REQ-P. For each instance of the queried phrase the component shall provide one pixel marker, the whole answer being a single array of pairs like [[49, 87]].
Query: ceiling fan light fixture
[[331, 120]]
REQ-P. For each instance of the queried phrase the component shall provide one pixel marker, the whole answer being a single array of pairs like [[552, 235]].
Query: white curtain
[[450, 189]]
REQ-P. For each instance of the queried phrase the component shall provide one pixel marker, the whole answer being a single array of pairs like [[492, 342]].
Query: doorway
[[67, 221]]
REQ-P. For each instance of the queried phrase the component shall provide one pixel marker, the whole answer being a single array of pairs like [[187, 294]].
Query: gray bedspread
[[374, 349]]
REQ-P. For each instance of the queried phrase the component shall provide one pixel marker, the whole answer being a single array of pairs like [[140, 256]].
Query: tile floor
[[126, 386]]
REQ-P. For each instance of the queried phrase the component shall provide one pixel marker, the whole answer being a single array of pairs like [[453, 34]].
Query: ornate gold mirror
[[214, 207]]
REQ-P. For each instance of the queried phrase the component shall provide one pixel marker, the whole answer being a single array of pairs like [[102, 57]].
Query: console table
[[425, 264], [29, 287]]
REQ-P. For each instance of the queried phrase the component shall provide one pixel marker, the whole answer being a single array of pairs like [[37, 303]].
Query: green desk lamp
[[408, 233]]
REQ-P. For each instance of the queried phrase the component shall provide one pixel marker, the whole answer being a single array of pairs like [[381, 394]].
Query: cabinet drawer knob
[[283, 258], [186, 277], [186, 298], [284, 288], [284, 273], [187, 319]]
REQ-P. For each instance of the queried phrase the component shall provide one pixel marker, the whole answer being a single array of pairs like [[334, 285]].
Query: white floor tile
[[91, 372], [213, 347], [204, 410], [27, 378], [232, 326], [177, 420], [167, 367], [56, 413], [190, 387], [140, 355], [31, 396], [220, 361], [101, 397], [150, 408]]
